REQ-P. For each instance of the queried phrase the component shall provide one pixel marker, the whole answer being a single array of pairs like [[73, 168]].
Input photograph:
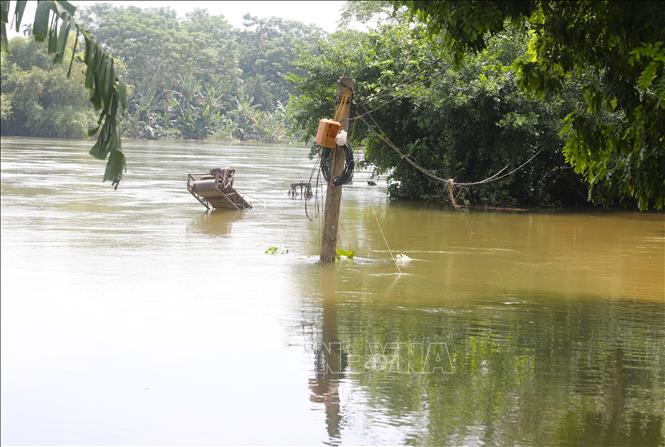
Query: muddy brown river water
[[135, 317]]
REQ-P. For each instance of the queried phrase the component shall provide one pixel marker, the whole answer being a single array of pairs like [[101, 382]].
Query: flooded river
[[135, 317]]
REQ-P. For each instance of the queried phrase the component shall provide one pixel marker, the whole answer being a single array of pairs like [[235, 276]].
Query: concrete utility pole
[[334, 193]]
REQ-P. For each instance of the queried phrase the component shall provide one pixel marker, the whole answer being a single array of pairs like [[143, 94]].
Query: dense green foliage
[[195, 77], [464, 90], [198, 77], [54, 23], [616, 51], [465, 122], [38, 99]]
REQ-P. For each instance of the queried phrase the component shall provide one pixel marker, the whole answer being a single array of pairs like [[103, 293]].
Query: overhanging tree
[[616, 49], [466, 122], [53, 22]]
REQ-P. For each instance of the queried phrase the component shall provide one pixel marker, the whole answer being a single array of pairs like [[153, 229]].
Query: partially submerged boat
[[215, 190]]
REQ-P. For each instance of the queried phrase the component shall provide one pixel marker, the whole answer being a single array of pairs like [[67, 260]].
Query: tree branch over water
[[615, 49]]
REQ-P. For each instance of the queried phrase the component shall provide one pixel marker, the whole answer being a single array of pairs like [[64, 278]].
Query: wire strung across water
[[374, 127]]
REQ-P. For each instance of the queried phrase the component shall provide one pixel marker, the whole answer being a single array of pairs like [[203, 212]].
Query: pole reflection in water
[[136, 307], [330, 360]]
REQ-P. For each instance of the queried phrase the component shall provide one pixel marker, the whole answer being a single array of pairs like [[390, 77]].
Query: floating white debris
[[402, 259]]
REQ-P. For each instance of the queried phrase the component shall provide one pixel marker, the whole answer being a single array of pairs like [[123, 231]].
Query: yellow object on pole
[[328, 130], [334, 193]]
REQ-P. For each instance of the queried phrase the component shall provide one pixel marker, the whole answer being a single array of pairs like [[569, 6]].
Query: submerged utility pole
[[334, 193]]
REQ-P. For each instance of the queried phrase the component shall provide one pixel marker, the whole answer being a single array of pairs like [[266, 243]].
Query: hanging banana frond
[[54, 20]]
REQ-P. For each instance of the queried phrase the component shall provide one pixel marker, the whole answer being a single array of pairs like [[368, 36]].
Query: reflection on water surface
[[135, 317]]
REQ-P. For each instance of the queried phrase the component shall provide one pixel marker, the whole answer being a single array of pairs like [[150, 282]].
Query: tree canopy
[[197, 77], [615, 49], [465, 122], [566, 96], [38, 97], [53, 22], [192, 77]]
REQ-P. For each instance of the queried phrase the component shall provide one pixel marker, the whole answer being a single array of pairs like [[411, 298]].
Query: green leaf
[[109, 83], [275, 250], [62, 40], [122, 93], [648, 75], [345, 253], [100, 149], [64, 7], [96, 149], [53, 35], [115, 168], [40, 25], [90, 53], [71, 61], [18, 13], [97, 77], [100, 77], [92, 131]]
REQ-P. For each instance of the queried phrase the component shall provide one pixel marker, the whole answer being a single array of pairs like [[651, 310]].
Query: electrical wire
[[382, 135], [347, 173], [315, 193], [390, 90], [385, 241]]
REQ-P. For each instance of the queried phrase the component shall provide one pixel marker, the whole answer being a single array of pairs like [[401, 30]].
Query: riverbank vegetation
[[501, 89], [465, 122], [195, 77]]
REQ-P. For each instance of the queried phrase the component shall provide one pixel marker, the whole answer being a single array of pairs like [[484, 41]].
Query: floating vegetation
[[276, 250], [344, 254]]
